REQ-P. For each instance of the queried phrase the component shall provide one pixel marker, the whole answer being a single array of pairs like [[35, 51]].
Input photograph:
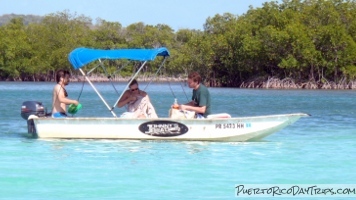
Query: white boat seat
[[219, 115]]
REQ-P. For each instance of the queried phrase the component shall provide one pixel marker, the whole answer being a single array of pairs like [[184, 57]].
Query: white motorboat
[[218, 127]]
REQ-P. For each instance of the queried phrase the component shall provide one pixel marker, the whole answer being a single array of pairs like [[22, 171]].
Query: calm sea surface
[[320, 149]]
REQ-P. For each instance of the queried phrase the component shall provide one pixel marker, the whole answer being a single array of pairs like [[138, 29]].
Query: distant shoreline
[[270, 83], [98, 79], [126, 79]]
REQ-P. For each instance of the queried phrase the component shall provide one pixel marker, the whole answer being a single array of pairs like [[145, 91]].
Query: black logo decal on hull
[[162, 128]]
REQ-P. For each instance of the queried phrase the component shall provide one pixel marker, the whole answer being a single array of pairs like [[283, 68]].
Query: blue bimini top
[[79, 57]]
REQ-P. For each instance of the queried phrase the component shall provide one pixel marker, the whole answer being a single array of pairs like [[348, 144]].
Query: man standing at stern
[[60, 96]]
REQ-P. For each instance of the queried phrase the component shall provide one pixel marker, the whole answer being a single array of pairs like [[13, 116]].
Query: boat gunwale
[[173, 119]]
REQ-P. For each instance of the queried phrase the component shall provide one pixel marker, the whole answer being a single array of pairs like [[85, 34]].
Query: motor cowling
[[32, 108]]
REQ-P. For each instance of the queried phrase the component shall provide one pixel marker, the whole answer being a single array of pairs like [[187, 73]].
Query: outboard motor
[[32, 108]]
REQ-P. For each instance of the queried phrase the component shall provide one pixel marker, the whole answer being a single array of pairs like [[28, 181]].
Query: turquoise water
[[320, 149]]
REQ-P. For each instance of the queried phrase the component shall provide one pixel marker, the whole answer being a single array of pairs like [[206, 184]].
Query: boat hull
[[231, 129]]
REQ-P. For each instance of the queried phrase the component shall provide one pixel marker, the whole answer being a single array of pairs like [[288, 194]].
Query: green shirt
[[201, 97]]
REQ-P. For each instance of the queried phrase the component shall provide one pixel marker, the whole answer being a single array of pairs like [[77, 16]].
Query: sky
[[178, 14]]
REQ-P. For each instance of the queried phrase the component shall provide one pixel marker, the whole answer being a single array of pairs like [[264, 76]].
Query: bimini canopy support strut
[[127, 86], [97, 92], [159, 69]]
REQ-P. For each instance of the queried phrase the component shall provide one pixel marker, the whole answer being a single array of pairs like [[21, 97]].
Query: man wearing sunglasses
[[137, 102]]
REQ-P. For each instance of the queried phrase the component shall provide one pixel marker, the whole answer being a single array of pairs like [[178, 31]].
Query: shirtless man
[[59, 99]]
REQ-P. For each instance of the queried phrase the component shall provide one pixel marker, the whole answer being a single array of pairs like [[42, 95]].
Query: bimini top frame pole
[[133, 77], [127, 86], [97, 92]]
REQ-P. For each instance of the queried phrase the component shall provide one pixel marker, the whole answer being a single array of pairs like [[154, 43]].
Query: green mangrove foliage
[[306, 41]]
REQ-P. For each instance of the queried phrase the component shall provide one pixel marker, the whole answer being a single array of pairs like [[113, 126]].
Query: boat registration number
[[232, 125]]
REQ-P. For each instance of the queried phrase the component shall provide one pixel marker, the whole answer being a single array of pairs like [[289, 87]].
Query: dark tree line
[[305, 41]]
